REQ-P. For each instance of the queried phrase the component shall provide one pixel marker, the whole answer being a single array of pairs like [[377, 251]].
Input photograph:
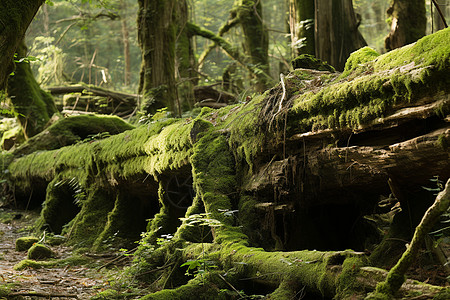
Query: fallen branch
[[396, 276]]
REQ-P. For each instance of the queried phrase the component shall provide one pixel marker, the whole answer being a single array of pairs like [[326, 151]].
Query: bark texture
[[249, 13], [157, 32], [336, 31], [408, 23], [301, 20]]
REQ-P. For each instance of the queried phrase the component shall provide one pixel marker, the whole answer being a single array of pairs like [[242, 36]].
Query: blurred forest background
[[86, 41]]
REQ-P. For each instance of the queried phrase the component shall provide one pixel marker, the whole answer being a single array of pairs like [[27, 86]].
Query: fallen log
[[86, 89], [273, 190]]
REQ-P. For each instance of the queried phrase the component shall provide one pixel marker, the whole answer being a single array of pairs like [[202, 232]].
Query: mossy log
[[270, 193]]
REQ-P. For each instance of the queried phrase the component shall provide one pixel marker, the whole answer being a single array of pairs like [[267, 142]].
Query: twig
[[440, 13], [155, 270], [229, 284], [118, 258]]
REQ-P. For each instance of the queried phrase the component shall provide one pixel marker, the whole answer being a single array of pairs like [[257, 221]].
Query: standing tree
[[249, 13], [15, 16], [157, 33], [408, 22], [301, 21], [336, 31]]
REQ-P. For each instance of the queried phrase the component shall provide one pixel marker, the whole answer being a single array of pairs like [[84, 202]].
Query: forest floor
[[83, 280], [57, 282]]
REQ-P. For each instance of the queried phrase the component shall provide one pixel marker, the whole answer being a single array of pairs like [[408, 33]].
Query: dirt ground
[[76, 282]]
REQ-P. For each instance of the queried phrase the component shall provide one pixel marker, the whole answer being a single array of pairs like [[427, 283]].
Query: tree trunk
[[437, 23], [35, 107], [408, 22], [256, 37], [336, 31], [126, 44], [302, 14], [157, 32], [15, 16], [185, 63]]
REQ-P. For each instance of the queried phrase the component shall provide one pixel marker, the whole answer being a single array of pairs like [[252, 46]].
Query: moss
[[69, 261], [31, 264], [346, 285], [40, 251], [443, 294], [106, 294], [86, 227], [71, 130], [25, 243], [34, 106], [372, 89], [443, 141], [357, 59]]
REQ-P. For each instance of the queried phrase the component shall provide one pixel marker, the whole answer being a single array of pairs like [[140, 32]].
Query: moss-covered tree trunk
[[249, 13], [336, 31], [34, 106], [15, 16], [301, 13], [185, 63], [157, 33], [408, 22]]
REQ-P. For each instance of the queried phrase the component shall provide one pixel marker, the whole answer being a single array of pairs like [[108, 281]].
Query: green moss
[[370, 90], [443, 141], [359, 58], [69, 261], [346, 284], [71, 130], [25, 243], [106, 294], [40, 251], [31, 264]]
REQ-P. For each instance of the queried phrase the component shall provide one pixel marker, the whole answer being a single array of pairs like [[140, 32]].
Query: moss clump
[[308, 61], [25, 243], [39, 251], [106, 294], [359, 58], [32, 264], [71, 130], [373, 89]]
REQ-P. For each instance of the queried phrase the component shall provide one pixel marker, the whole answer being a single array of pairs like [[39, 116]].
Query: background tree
[[302, 14], [15, 17], [408, 22], [336, 31]]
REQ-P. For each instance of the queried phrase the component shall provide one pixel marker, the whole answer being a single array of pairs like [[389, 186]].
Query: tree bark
[[157, 32], [249, 13], [336, 32], [437, 23], [126, 45], [408, 22], [302, 14], [15, 16]]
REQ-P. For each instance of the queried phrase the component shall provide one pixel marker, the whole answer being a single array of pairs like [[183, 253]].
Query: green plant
[[203, 222]]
